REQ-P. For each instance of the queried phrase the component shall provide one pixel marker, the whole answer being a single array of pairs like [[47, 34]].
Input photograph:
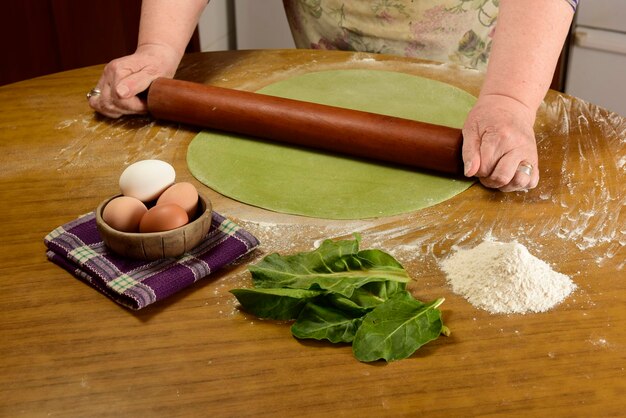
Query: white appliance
[[596, 70]]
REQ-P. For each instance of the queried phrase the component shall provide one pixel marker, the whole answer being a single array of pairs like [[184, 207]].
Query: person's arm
[[164, 32], [498, 133]]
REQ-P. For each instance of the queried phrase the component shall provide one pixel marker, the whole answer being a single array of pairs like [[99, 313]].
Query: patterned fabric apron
[[458, 31]]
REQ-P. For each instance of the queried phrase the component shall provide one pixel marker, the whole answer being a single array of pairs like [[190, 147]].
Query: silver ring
[[525, 168], [93, 93]]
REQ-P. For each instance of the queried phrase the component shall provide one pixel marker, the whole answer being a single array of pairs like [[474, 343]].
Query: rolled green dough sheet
[[311, 183]]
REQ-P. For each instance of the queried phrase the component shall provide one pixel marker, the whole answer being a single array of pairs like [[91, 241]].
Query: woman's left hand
[[499, 144]]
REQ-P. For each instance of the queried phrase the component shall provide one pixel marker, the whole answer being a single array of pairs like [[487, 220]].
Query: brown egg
[[184, 195], [124, 213], [163, 218]]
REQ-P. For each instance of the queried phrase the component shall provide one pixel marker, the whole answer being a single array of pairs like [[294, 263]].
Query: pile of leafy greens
[[344, 295]]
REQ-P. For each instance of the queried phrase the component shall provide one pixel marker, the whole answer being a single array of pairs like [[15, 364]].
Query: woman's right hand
[[124, 78]]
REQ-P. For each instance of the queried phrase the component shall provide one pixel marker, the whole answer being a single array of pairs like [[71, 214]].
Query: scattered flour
[[505, 278]]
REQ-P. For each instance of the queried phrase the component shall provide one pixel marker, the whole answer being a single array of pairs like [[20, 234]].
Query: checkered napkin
[[78, 248]]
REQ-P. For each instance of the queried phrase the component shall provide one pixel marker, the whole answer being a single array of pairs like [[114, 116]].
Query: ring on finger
[[93, 93], [526, 168]]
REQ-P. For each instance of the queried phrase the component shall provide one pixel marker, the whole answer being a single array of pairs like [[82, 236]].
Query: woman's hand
[[499, 144], [124, 78]]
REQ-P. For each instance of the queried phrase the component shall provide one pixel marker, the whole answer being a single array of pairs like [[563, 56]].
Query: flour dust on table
[[504, 278]]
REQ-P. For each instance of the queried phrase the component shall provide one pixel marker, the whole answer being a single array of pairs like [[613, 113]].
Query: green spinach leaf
[[275, 303], [365, 298], [337, 267], [325, 323], [373, 294], [395, 329], [342, 294]]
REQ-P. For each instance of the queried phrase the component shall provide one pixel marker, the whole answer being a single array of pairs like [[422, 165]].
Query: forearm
[[527, 43], [169, 23]]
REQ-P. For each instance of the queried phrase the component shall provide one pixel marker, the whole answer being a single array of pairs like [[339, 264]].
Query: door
[[39, 37]]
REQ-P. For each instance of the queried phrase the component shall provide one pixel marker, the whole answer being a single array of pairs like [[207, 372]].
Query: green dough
[[306, 182]]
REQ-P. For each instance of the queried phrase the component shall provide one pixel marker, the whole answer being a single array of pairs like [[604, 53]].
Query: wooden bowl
[[157, 245]]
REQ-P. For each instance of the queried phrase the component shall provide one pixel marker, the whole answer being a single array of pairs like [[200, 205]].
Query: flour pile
[[505, 278]]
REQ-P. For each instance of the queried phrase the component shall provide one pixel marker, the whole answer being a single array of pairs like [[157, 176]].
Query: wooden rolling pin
[[351, 132]]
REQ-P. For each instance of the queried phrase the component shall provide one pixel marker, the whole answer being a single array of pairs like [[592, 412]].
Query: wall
[[213, 27], [244, 24], [262, 25]]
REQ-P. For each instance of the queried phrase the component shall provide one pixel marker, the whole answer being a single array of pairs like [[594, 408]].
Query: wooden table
[[69, 351]]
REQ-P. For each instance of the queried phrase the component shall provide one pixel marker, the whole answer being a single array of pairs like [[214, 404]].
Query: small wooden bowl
[[156, 245]]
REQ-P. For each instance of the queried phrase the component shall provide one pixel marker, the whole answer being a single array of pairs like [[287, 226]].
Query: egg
[[124, 213], [146, 179], [184, 195], [163, 218]]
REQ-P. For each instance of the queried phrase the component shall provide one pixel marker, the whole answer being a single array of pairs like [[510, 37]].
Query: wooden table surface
[[66, 350]]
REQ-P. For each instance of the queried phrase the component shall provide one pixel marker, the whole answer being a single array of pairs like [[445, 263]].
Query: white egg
[[146, 180]]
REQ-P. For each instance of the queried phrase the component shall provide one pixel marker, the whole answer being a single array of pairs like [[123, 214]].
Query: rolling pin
[[350, 132]]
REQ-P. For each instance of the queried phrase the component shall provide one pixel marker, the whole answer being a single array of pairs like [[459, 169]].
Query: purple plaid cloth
[[78, 248]]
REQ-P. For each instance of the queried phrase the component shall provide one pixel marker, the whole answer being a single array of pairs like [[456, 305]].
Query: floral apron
[[458, 31]]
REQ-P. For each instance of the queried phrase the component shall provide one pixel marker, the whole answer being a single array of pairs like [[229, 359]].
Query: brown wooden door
[[45, 36]]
